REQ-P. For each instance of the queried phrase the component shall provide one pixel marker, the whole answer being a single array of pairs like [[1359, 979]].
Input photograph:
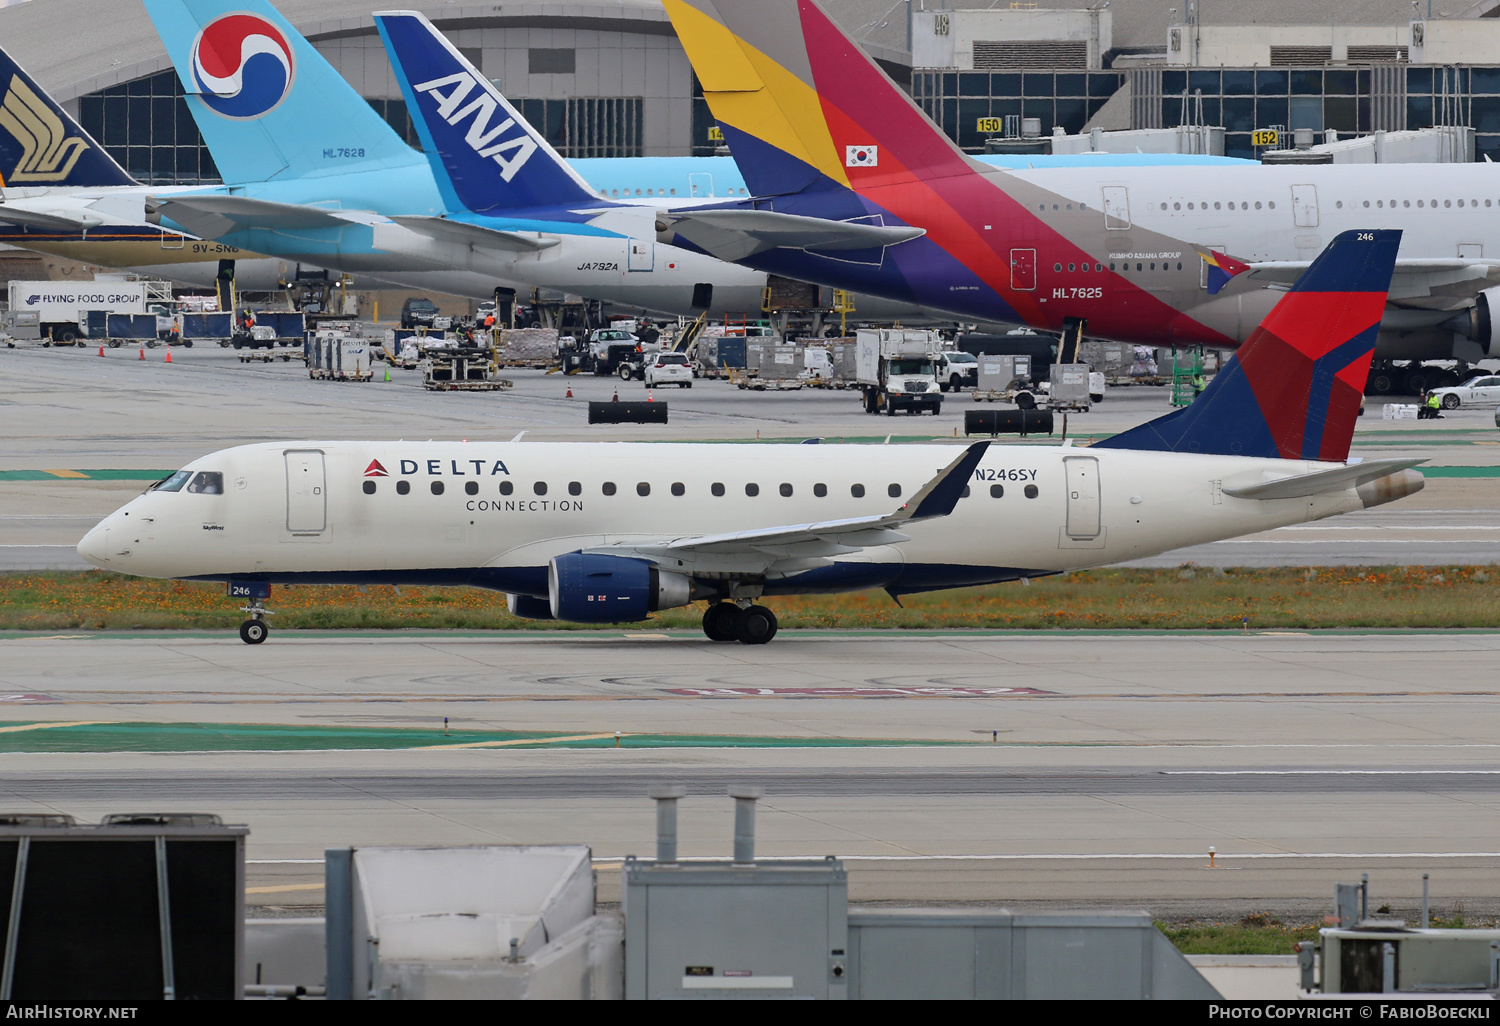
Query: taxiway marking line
[[50, 726], [284, 887], [517, 741]]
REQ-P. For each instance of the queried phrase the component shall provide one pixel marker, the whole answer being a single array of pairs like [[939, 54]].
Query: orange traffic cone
[[141, 353], [169, 356], [650, 398], [570, 393], [616, 397], [101, 350]]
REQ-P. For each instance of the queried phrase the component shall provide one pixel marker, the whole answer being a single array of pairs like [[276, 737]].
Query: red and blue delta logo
[[243, 66]]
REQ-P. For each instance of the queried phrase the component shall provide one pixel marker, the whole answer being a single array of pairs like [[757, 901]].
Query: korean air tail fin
[[801, 105], [268, 104], [486, 158], [40, 145], [1293, 390]]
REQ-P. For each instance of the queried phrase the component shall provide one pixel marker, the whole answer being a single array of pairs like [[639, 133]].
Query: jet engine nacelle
[[529, 607], [586, 588], [1486, 313]]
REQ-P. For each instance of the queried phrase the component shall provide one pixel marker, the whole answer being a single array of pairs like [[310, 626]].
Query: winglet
[[939, 496]]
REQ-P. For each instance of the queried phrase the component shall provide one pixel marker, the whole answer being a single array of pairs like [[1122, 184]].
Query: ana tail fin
[[483, 153], [40, 144], [801, 105], [1294, 388], [268, 104]]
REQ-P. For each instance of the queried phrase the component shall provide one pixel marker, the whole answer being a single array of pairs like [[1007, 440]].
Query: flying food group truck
[[896, 370], [61, 306]]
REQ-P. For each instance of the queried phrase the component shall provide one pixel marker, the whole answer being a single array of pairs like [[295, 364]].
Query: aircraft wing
[[1335, 480], [1412, 279], [736, 234], [792, 548], [214, 216], [443, 229]]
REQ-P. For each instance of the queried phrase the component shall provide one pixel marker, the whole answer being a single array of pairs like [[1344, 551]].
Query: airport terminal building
[[608, 78]]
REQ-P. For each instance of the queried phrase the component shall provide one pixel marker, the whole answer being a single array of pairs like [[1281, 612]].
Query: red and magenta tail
[[801, 105], [1294, 388]]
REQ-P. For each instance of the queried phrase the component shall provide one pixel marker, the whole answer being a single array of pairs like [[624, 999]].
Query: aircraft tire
[[253, 632], [719, 621], [756, 625]]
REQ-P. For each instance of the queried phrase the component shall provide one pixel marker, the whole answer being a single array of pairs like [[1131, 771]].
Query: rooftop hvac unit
[[144, 906]]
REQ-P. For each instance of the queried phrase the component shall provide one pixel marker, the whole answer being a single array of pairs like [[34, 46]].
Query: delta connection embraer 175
[[1137, 253], [609, 532]]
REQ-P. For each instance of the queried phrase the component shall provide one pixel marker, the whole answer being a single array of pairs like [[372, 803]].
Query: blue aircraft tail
[[269, 106], [40, 145], [1293, 390], [484, 155]]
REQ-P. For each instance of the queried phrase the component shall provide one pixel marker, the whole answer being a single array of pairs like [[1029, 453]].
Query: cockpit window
[[207, 482], [173, 483]]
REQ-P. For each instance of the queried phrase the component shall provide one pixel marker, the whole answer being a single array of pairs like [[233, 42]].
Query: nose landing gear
[[254, 630], [747, 624]]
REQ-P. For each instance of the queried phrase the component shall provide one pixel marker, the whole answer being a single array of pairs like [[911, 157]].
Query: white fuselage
[[1271, 213], [493, 514]]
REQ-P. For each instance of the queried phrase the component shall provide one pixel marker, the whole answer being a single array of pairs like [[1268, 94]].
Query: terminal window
[[146, 127]]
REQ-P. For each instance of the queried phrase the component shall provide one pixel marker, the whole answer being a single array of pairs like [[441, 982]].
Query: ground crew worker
[[1433, 404], [1198, 384], [489, 321]]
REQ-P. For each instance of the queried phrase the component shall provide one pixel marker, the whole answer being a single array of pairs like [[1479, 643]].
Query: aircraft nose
[[95, 545]]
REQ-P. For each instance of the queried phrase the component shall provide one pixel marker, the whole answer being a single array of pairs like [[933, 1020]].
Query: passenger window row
[[643, 488], [678, 488], [1380, 204], [997, 491], [1204, 206]]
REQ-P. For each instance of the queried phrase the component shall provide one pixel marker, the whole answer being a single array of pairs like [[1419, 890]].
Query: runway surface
[[1057, 769]]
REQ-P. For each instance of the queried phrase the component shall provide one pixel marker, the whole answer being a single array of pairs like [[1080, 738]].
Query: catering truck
[[62, 306], [896, 370]]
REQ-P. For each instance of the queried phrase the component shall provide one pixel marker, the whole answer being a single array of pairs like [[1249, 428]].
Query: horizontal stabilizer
[[12, 214], [736, 234], [747, 553], [1336, 480], [443, 229], [216, 216]]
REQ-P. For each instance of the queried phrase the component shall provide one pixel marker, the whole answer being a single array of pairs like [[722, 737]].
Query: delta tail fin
[[268, 104], [40, 145], [801, 105], [484, 155], [1293, 390]]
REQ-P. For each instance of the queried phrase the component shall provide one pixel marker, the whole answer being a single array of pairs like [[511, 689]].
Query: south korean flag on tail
[[861, 156]]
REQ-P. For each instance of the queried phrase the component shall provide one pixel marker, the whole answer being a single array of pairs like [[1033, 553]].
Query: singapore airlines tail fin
[[268, 104], [1293, 390], [40, 145], [484, 155]]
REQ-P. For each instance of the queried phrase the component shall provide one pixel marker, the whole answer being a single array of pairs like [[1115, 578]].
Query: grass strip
[[1263, 934], [33, 737], [1183, 598]]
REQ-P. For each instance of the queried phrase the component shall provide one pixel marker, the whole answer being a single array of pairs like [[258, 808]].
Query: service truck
[[60, 306], [896, 370]]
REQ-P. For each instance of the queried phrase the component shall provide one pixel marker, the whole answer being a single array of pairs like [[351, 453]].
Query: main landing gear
[[747, 624], [254, 630]]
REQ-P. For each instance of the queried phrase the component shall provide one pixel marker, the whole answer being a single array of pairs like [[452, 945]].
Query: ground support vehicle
[[62, 307], [895, 370], [957, 371]]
